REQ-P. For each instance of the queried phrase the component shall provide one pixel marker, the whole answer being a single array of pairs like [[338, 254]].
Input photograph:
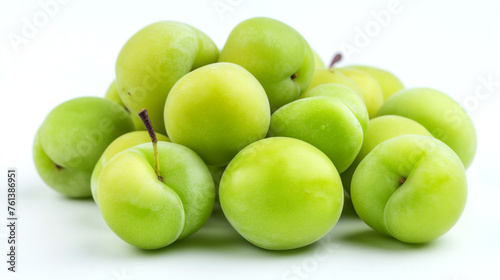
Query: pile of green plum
[[264, 129]]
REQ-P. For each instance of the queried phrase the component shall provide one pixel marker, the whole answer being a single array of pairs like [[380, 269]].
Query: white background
[[448, 45]]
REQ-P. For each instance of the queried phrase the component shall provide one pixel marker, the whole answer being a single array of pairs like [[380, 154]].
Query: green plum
[[150, 213], [411, 187], [121, 143], [154, 59], [318, 63], [332, 120], [369, 87], [112, 94], [440, 115], [72, 138], [379, 130], [388, 82], [332, 76], [276, 54], [216, 172], [346, 96], [281, 193], [216, 111]]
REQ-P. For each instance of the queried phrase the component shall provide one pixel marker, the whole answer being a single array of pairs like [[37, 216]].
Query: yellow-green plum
[[121, 143], [388, 82], [345, 95], [332, 119], [329, 76], [72, 138], [150, 213], [154, 59], [216, 111], [216, 172], [281, 193], [112, 94], [379, 130], [276, 54], [318, 63], [411, 187], [440, 115], [369, 87]]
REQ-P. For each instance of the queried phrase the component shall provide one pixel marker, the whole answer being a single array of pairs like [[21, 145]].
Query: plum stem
[[143, 114], [335, 59], [402, 180]]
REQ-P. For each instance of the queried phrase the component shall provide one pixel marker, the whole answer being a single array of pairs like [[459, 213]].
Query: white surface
[[448, 45]]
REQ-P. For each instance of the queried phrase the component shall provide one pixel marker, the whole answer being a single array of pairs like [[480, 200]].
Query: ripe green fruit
[[440, 115], [72, 138], [318, 63], [369, 87], [216, 172], [379, 130], [154, 59], [389, 84], [332, 119], [281, 193], [276, 54], [216, 111], [332, 76], [149, 213], [112, 94], [121, 143], [345, 95], [410, 187]]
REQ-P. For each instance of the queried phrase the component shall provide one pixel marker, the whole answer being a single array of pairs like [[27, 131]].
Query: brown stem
[[335, 59], [143, 114]]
